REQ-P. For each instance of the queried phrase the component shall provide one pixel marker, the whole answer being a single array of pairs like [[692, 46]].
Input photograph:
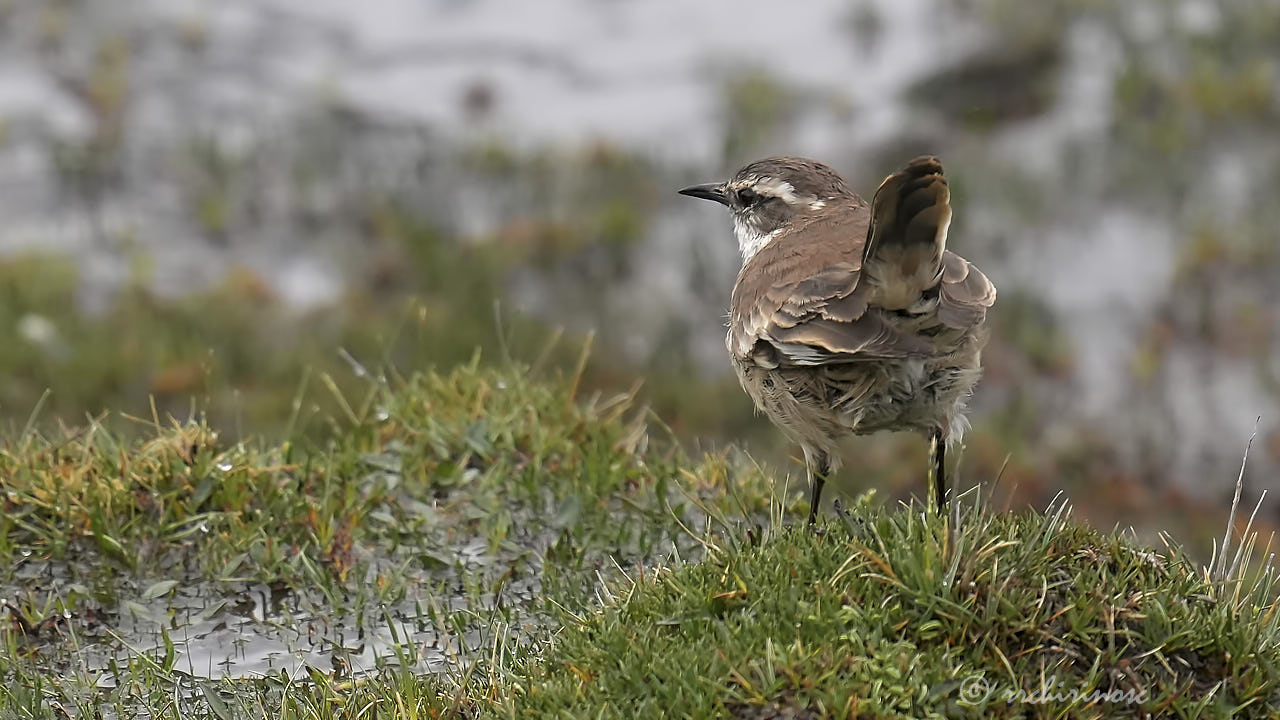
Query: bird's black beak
[[708, 191]]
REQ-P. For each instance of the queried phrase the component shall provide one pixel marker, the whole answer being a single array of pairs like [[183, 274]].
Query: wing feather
[[819, 341], [965, 293]]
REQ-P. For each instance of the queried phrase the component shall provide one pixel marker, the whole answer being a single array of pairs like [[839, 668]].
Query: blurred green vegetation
[[755, 107], [231, 352]]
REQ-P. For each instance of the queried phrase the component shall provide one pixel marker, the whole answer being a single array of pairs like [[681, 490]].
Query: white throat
[[750, 240]]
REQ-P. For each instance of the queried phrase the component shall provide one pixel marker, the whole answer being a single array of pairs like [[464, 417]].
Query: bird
[[848, 317]]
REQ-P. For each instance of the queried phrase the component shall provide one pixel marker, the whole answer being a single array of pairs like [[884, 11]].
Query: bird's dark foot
[[813, 522], [817, 479], [938, 453]]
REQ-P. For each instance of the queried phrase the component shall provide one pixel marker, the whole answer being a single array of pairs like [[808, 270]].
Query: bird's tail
[[908, 234]]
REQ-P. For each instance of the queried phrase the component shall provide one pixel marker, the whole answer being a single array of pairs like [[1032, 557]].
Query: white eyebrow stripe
[[777, 188]]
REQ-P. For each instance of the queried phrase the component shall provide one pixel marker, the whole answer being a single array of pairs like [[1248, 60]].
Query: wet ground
[[201, 629]]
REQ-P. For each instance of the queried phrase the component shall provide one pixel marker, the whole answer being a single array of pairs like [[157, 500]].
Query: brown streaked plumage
[[848, 317]]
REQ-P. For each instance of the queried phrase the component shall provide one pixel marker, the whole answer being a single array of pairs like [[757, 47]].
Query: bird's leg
[[938, 457], [819, 466]]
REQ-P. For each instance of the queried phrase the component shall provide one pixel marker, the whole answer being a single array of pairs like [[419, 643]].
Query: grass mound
[[899, 614]]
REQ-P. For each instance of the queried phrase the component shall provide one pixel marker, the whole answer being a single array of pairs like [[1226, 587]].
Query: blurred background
[[238, 207]]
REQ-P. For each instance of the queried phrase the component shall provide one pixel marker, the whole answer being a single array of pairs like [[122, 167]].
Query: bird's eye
[[748, 197]]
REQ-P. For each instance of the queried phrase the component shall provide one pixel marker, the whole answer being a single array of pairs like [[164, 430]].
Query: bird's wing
[[783, 313]]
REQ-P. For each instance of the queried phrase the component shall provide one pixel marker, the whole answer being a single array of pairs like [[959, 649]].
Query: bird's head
[[768, 196]]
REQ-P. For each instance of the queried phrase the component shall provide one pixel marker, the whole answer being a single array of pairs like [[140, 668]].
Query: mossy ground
[[551, 557]]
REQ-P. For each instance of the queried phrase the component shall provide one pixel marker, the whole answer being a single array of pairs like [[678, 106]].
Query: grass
[[893, 613], [491, 541]]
